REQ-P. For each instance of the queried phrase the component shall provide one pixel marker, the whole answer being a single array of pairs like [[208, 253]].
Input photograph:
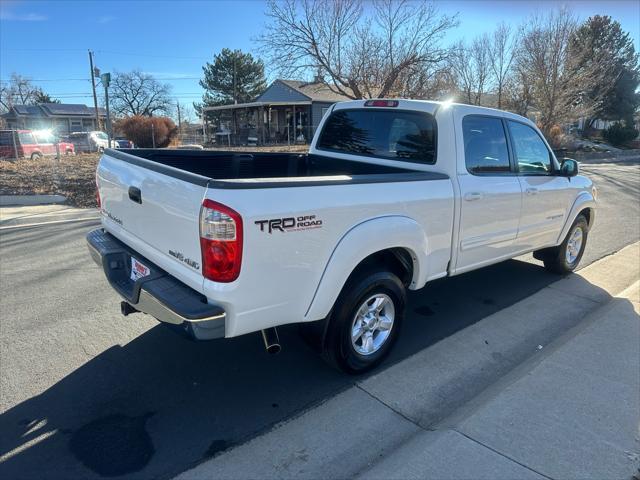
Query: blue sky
[[48, 40]]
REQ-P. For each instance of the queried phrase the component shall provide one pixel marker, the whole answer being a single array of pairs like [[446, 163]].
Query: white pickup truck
[[392, 194]]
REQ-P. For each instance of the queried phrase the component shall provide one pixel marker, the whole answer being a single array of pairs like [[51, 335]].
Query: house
[[289, 111], [63, 118]]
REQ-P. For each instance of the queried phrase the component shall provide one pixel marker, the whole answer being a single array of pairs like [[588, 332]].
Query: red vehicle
[[32, 144]]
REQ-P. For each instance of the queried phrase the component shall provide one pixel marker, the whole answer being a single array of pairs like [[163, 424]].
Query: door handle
[[471, 196], [532, 191], [135, 194]]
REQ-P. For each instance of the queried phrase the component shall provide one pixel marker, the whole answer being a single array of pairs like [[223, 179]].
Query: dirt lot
[[71, 176], [74, 176]]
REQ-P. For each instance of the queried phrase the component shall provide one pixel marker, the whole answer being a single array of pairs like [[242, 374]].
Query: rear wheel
[[36, 156], [565, 257], [365, 321]]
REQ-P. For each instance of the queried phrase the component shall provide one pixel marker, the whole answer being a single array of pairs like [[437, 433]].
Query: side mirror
[[569, 167]]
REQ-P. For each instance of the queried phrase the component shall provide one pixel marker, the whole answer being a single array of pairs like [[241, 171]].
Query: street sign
[[106, 79]]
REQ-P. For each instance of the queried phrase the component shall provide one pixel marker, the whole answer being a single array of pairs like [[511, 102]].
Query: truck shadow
[[160, 404]]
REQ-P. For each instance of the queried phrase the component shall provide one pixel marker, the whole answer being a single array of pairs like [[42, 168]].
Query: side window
[[26, 138], [393, 134], [530, 151], [485, 145]]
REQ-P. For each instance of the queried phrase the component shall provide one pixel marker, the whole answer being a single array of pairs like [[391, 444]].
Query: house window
[[76, 125]]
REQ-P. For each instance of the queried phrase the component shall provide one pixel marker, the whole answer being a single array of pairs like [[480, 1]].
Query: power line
[[151, 55], [88, 79]]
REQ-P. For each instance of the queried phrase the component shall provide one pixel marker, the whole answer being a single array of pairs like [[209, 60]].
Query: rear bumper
[[159, 294]]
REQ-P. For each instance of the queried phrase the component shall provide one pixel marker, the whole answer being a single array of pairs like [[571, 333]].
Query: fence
[[249, 137]]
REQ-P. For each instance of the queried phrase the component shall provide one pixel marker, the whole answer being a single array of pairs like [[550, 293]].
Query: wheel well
[[397, 260], [587, 214]]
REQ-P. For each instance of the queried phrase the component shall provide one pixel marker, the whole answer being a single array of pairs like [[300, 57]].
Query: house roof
[[318, 92], [53, 109], [70, 109]]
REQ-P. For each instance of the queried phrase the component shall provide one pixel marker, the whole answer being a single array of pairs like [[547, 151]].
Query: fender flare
[[361, 241], [583, 200]]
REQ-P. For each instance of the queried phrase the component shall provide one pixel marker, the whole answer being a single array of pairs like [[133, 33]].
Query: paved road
[[85, 392]]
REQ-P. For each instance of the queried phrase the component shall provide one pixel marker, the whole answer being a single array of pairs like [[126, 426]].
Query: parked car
[[32, 144], [88, 142], [393, 194], [122, 142]]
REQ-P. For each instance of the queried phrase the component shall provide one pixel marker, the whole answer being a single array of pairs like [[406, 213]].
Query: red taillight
[[381, 103], [220, 242]]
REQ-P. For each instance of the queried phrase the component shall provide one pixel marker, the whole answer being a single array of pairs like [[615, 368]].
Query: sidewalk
[[547, 388]]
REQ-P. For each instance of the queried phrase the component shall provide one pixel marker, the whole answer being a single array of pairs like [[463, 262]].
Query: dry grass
[[71, 176]]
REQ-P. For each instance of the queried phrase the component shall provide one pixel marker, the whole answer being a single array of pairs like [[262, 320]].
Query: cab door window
[[531, 153], [485, 145]]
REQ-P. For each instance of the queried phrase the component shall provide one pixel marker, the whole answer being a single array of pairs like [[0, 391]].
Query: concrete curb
[[412, 404], [28, 200]]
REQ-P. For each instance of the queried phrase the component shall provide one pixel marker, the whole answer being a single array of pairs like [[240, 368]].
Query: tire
[[36, 156], [379, 327], [565, 257]]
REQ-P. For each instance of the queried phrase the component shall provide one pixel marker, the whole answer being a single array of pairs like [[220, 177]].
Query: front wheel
[[565, 257], [365, 321]]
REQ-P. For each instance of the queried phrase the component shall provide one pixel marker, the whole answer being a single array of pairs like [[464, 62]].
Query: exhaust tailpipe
[[126, 308], [271, 340]]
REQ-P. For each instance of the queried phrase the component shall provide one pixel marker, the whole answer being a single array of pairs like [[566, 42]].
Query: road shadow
[[160, 404]]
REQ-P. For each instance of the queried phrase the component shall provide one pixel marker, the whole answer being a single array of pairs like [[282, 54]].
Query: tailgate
[[155, 210]]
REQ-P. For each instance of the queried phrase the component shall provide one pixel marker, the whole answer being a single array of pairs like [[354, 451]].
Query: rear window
[[393, 134], [78, 135]]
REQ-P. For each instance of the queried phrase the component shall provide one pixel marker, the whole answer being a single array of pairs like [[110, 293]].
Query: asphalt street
[[85, 392]]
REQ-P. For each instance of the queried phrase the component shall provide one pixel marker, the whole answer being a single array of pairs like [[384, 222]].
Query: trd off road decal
[[289, 224]]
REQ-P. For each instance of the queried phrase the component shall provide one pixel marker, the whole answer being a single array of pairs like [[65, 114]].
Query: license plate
[[138, 270]]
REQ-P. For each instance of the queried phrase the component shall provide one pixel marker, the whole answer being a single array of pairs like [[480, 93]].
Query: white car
[[392, 195], [88, 142]]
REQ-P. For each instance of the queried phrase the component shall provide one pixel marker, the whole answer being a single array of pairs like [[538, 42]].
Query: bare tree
[[138, 93], [501, 54], [558, 78], [359, 53], [471, 68], [516, 92], [20, 90]]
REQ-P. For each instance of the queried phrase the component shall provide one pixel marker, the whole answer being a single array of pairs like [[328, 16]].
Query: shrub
[[620, 134], [142, 130], [555, 136]]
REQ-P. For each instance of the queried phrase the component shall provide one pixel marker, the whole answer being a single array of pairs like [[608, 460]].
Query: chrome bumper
[[159, 294]]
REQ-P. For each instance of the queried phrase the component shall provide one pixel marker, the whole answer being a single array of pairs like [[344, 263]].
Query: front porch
[[259, 123]]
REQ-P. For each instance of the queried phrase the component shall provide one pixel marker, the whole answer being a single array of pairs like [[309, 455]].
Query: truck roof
[[431, 106]]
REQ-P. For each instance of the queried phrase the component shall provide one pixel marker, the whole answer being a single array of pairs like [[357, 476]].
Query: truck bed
[[241, 169]]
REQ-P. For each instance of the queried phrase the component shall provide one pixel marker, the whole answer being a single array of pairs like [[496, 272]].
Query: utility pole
[[179, 119], [105, 78], [93, 85]]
